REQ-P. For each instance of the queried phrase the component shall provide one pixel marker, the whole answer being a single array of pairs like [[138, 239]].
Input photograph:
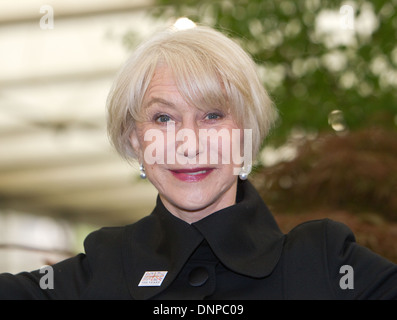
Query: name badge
[[152, 279]]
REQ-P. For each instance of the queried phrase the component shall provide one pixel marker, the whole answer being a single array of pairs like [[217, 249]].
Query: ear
[[136, 146]]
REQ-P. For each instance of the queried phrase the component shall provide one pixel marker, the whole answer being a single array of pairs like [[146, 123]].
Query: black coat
[[235, 253]]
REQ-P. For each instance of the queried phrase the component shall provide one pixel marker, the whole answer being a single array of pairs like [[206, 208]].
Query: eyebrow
[[159, 100]]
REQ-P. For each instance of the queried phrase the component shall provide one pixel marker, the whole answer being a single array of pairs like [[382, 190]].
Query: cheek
[[222, 146], [153, 146], [231, 147]]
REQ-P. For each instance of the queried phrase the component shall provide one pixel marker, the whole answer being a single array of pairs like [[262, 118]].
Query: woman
[[185, 106]]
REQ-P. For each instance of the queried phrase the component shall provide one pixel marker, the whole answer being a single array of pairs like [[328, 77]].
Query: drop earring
[[142, 170], [245, 171]]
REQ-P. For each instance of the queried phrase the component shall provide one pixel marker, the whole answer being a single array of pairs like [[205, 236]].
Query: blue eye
[[213, 116], [163, 118]]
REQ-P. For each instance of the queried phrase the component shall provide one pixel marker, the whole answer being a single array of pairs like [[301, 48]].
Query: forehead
[[162, 83], [181, 87]]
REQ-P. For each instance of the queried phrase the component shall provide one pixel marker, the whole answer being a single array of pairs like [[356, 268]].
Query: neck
[[191, 216]]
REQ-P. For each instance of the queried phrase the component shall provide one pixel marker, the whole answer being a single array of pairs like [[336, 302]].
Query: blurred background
[[330, 67]]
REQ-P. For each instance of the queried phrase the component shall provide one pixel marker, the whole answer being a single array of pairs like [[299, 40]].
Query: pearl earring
[[142, 170], [245, 171]]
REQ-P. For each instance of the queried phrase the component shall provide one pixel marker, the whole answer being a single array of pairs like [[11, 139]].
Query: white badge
[[152, 279]]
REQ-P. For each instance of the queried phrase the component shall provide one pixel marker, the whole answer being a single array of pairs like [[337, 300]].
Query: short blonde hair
[[209, 70]]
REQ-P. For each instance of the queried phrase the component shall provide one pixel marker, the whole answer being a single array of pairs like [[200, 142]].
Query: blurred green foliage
[[310, 61]]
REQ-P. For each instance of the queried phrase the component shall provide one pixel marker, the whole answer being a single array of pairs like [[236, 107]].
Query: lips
[[192, 175]]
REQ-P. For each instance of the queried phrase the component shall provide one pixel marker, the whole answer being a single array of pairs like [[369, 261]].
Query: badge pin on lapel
[[152, 279]]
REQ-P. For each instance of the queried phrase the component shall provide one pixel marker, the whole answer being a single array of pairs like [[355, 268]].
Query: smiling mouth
[[192, 175]]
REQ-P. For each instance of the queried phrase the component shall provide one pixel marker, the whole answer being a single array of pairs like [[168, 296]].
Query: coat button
[[198, 276]]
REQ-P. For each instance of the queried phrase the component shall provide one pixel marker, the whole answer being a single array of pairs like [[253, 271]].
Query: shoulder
[[312, 256], [106, 237], [109, 242], [324, 241], [111, 237], [320, 232], [316, 254], [104, 259]]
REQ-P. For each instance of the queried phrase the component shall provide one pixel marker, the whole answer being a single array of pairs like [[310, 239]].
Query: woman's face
[[193, 173]]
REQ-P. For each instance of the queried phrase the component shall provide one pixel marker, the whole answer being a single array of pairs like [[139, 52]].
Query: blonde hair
[[209, 69]]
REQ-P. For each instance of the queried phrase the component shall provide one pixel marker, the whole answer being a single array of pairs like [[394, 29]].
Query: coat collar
[[244, 237]]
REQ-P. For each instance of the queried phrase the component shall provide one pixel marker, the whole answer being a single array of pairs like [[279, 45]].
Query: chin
[[191, 201]]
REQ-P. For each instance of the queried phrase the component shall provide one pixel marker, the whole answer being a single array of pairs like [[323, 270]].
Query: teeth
[[198, 172]]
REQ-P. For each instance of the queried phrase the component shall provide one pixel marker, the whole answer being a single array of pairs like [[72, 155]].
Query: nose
[[188, 144]]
